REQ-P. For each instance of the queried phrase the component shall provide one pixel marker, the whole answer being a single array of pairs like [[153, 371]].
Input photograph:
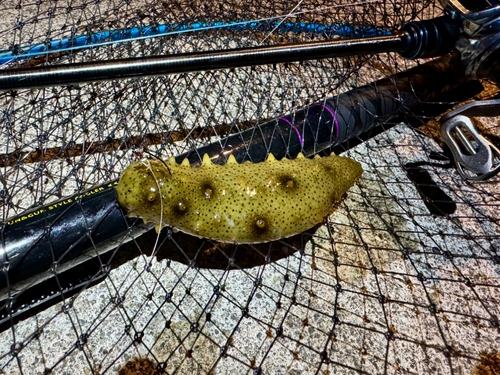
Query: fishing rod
[[420, 39], [474, 33]]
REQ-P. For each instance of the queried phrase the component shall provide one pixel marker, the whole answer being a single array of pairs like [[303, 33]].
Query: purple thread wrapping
[[333, 115], [297, 130]]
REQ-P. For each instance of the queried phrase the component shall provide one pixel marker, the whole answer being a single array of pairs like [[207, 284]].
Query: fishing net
[[401, 279]]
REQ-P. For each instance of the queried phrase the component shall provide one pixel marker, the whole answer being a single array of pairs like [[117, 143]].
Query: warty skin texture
[[237, 203]]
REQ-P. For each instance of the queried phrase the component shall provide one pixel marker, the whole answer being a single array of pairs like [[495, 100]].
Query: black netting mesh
[[401, 279]]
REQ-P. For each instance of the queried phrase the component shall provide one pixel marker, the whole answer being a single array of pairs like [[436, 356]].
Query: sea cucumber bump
[[207, 162], [237, 202], [171, 161]]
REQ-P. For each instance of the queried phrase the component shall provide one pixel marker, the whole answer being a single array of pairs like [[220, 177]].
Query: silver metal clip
[[476, 158]]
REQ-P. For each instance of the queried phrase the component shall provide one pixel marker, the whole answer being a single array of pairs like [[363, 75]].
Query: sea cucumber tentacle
[[237, 203]]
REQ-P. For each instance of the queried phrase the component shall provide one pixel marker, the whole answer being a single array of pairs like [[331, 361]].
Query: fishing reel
[[475, 157], [473, 29], [479, 41]]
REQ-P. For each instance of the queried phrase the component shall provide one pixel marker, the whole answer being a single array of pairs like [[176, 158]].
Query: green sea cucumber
[[237, 203]]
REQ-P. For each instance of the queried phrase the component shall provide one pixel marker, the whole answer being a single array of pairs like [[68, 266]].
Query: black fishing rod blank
[[416, 39]]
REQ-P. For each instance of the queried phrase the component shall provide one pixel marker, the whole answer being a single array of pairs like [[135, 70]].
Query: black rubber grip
[[50, 239]]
